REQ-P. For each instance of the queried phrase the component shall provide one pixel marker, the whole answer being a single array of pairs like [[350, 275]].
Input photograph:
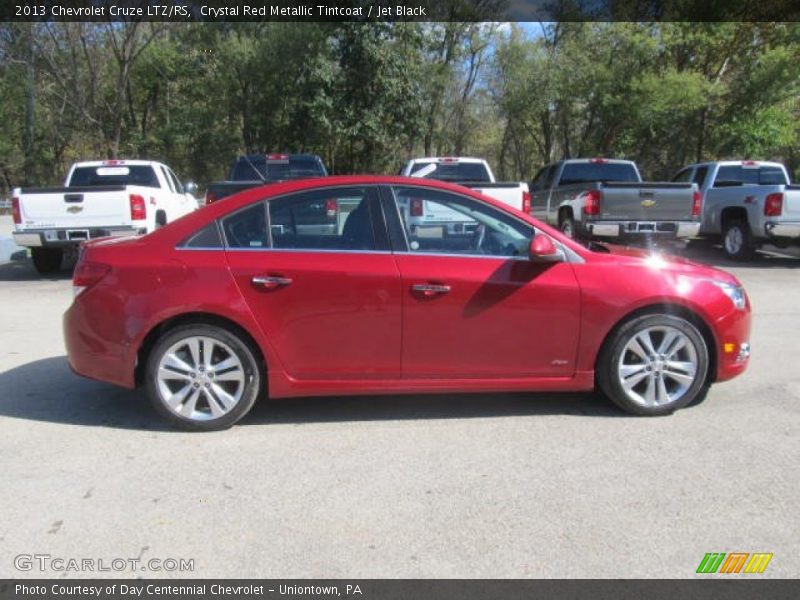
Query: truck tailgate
[[77, 207], [507, 193], [647, 201], [791, 206]]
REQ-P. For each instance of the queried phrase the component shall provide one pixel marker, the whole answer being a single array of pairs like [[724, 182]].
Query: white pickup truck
[[99, 198], [473, 173]]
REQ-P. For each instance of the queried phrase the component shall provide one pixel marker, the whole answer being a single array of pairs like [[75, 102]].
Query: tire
[[737, 241], [567, 227], [161, 219], [675, 358], [183, 388], [47, 260]]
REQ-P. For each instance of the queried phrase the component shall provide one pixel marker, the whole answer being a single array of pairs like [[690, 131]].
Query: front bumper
[[782, 230], [68, 237], [644, 229]]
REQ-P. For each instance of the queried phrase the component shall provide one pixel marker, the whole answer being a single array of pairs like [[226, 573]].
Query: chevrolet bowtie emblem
[[648, 203], [74, 209]]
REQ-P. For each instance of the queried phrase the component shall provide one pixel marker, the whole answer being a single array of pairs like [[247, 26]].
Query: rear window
[[605, 172], [142, 175], [255, 168], [741, 175], [457, 171]]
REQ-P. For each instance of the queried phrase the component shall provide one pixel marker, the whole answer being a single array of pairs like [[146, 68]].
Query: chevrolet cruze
[[332, 287]]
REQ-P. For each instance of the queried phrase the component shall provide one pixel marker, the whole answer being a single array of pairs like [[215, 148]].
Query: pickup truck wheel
[[203, 377], [161, 219], [567, 227], [737, 240], [47, 260], [654, 365]]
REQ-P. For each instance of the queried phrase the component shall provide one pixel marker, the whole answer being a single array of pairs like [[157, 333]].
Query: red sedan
[[364, 285]]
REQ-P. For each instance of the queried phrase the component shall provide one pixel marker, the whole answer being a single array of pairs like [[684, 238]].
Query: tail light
[[598, 161], [331, 206], [416, 207], [526, 202], [16, 211], [773, 205], [87, 274], [210, 197], [138, 208], [697, 203], [591, 202]]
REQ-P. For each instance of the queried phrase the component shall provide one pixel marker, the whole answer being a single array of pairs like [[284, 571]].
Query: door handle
[[430, 289], [270, 282]]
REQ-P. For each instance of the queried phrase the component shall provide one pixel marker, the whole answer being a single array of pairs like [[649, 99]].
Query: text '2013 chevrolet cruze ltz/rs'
[[335, 286]]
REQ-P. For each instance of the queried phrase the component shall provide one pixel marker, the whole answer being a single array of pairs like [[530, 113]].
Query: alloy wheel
[[657, 366]]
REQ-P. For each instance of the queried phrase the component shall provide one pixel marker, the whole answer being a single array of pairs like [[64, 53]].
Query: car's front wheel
[[654, 365], [203, 377]]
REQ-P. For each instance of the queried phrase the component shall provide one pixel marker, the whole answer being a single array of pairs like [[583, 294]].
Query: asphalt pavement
[[467, 486]]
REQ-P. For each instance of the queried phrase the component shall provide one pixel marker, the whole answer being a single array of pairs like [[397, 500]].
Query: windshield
[[585, 172], [255, 168], [456, 171], [142, 175]]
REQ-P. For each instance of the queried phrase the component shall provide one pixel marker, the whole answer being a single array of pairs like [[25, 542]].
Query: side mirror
[[190, 187], [543, 250]]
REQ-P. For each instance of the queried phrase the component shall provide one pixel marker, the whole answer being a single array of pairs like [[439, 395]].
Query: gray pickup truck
[[590, 198], [746, 203]]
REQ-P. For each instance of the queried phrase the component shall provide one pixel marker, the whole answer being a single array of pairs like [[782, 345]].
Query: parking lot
[[472, 486]]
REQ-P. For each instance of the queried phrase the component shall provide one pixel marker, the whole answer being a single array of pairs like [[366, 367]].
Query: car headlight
[[734, 292]]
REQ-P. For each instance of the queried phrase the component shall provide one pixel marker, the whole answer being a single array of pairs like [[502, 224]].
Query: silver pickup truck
[[746, 203], [600, 198]]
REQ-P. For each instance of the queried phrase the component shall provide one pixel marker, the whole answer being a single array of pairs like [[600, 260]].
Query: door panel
[[315, 270], [339, 318], [500, 317], [473, 305]]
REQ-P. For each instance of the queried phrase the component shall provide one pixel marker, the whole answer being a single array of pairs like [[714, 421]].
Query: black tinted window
[[597, 171], [539, 180], [741, 174], [142, 175], [208, 237], [684, 176], [456, 171], [700, 176], [255, 168], [247, 228], [333, 219]]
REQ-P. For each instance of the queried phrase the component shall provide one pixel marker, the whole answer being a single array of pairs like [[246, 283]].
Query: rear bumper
[[89, 352], [644, 229], [782, 230], [67, 237]]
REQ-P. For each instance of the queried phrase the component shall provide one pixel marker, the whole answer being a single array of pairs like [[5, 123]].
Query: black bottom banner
[[390, 589]]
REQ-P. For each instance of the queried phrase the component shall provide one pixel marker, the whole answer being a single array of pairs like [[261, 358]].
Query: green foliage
[[366, 97]]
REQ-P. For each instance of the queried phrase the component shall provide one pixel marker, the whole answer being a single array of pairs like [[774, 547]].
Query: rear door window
[[328, 219]]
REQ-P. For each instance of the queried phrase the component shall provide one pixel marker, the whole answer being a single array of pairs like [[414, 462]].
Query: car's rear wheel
[[203, 377], [654, 365], [47, 260]]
